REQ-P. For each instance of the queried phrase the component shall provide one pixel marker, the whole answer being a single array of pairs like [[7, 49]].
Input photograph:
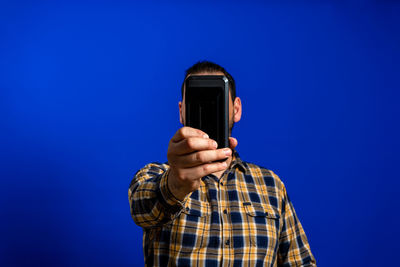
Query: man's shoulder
[[269, 177], [153, 168]]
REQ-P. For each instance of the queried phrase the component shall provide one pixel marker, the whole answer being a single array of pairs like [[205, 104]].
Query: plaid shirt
[[245, 218]]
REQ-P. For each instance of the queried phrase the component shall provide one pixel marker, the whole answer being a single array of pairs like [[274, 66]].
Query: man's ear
[[237, 109], [180, 112]]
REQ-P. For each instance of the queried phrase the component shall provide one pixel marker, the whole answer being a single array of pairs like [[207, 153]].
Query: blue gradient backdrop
[[89, 93]]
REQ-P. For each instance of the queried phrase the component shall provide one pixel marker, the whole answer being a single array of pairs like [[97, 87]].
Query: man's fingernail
[[215, 144], [205, 136], [227, 152]]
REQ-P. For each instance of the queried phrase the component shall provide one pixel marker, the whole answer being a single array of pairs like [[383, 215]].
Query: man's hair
[[207, 66]]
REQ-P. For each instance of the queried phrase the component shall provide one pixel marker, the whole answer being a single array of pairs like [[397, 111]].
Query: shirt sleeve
[[151, 202], [294, 249]]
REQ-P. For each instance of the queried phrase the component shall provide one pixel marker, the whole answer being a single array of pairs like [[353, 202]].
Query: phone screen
[[203, 111], [206, 109]]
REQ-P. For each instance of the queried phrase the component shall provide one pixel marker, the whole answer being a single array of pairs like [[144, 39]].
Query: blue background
[[89, 93]]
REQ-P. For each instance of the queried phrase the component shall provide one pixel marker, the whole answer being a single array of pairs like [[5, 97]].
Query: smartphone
[[207, 106]]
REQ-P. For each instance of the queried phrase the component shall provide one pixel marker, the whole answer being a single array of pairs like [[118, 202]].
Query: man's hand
[[191, 155]]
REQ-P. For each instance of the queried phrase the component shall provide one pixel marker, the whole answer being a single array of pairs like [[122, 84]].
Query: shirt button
[[221, 183], [225, 211], [227, 242]]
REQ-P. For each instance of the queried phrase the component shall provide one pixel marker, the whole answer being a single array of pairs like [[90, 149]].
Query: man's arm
[[294, 249], [151, 202], [158, 192]]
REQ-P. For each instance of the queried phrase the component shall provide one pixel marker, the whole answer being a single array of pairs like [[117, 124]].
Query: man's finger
[[203, 157], [186, 132], [203, 170], [233, 142], [192, 144]]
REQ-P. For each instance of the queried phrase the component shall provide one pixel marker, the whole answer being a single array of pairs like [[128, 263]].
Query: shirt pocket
[[263, 224], [192, 228]]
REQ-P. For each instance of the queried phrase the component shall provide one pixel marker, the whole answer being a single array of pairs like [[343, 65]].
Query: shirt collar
[[236, 161]]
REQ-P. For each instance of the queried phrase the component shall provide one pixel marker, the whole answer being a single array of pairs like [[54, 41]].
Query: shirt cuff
[[173, 204]]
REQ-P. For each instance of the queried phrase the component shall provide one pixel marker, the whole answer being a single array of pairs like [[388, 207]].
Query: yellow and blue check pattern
[[245, 218]]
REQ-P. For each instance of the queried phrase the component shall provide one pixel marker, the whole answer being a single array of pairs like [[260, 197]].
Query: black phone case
[[207, 106]]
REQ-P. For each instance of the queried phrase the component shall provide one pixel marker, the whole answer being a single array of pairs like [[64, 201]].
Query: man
[[195, 211]]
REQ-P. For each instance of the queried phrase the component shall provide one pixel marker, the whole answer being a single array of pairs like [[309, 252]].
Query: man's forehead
[[207, 73]]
